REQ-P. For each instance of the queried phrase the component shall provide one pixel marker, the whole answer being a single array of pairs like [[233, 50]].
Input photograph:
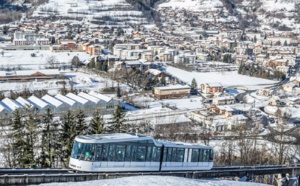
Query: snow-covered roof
[[100, 96], [24, 102], [30, 72], [37, 102], [52, 101], [89, 97], [11, 105], [173, 87], [77, 98], [65, 99]]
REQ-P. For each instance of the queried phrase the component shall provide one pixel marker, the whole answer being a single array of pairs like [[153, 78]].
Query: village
[[195, 75]]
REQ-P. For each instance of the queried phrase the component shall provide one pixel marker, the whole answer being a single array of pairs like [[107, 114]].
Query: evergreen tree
[[48, 138], [31, 137], [18, 139], [194, 84], [163, 81], [80, 123], [97, 124], [67, 136], [75, 61], [118, 125], [118, 91], [105, 66]]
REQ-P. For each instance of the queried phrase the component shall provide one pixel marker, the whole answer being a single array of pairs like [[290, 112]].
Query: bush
[[33, 55]]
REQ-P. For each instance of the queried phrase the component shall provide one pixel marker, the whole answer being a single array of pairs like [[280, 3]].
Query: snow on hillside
[[276, 12], [231, 78], [192, 4], [118, 10], [156, 181]]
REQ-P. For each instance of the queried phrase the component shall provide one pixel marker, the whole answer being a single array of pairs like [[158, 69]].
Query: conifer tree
[[31, 137], [194, 84], [80, 123], [67, 136], [105, 66], [18, 139], [118, 91], [118, 125], [97, 124], [48, 138]]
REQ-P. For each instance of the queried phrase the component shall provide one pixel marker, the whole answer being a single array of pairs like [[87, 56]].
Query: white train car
[[134, 152]]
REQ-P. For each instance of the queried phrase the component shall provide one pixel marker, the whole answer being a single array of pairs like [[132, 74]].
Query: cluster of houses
[[59, 104]]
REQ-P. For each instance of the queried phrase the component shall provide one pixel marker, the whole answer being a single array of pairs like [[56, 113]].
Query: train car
[[134, 152]]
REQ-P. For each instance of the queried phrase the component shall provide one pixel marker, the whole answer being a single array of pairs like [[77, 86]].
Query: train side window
[[141, 153], [133, 153], [156, 154], [169, 157], [111, 155], [128, 153], [200, 155], [211, 155], [195, 155], [165, 154], [98, 152], [205, 155], [105, 152], [179, 155], [149, 153], [120, 152]]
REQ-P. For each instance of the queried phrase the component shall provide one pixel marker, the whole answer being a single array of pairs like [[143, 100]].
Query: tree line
[[44, 140]]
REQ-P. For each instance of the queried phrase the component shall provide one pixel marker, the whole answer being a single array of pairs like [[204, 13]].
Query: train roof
[[123, 137]]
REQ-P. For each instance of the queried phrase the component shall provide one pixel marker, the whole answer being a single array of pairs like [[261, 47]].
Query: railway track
[[38, 176], [7, 171]]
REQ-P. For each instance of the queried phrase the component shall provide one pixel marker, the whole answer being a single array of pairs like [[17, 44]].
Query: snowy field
[[23, 58], [156, 181], [192, 5], [80, 80], [225, 78]]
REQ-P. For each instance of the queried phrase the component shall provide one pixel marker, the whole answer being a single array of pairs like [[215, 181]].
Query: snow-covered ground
[[156, 181], [226, 78], [24, 59]]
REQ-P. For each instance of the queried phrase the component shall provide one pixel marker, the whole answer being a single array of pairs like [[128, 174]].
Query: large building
[[29, 38], [177, 91]]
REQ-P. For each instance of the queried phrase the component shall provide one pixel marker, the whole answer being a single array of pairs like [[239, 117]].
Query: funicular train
[[135, 152]]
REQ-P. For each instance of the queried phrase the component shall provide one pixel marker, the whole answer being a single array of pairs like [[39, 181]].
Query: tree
[[118, 125], [97, 124], [80, 123], [105, 66], [119, 91], [31, 137], [18, 139], [51, 60], [194, 84], [163, 81], [75, 61], [48, 139], [66, 137]]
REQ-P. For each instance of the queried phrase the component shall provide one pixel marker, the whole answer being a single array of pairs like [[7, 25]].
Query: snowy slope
[[156, 181], [117, 10], [192, 4], [271, 13]]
